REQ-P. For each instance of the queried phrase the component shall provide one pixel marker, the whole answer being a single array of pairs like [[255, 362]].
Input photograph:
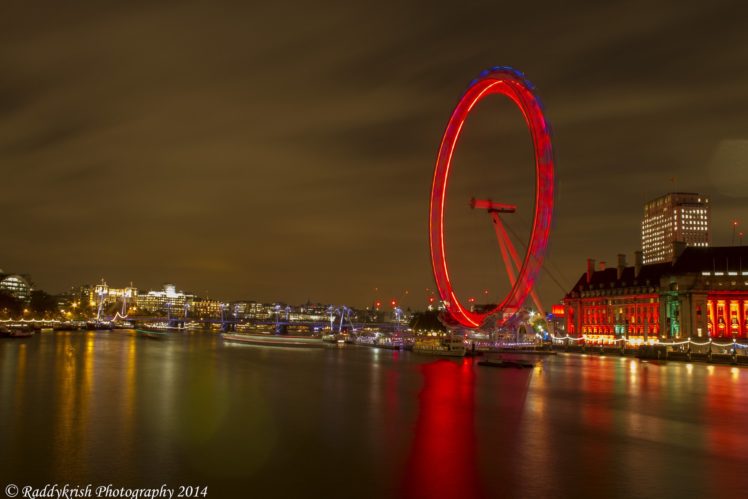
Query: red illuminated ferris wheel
[[511, 83]]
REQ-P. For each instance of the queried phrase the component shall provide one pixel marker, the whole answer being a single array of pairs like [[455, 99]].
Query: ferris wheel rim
[[512, 84]]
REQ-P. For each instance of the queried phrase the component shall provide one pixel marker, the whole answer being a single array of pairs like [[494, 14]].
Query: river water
[[111, 407]]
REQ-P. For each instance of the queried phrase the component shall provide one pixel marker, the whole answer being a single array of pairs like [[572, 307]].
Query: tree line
[[40, 305]]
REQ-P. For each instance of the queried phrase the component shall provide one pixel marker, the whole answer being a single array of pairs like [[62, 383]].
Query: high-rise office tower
[[675, 217]]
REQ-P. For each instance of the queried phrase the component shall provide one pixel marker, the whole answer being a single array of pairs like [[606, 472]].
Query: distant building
[[77, 297], [109, 295], [205, 308], [166, 300], [557, 320], [251, 310], [16, 285], [674, 217], [702, 293], [312, 312]]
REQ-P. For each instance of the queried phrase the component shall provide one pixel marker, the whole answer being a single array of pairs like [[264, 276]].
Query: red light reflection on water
[[442, 460], [726, 413]]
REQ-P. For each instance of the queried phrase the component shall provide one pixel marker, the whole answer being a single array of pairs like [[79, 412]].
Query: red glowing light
[[507, 82], [558, 310], [446, 405]]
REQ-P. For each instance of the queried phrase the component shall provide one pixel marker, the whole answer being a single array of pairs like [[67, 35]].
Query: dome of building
[[16, 285]]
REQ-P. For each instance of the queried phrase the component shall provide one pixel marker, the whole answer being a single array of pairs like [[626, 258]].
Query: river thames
[[111, 407]]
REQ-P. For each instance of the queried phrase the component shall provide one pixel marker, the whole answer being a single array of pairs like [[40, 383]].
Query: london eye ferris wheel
[[512, 84]]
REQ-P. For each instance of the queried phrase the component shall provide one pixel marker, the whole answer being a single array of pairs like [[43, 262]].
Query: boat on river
[[504, 363], [274, 340], [153, 334], [452, 346], [16, 332]]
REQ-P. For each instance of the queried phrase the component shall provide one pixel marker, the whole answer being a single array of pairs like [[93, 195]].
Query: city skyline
[[392, 250], [208, 152]]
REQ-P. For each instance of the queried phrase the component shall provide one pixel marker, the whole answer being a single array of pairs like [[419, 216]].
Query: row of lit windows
[[693, 210], [674, 201], [657, 231], [722, 273], [653, 242], [699, 218]]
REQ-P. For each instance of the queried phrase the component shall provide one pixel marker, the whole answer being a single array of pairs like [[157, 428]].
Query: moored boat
[[158, 328], [452, 346], [525, 351], [518, 364], [99, 325], [16, 332]]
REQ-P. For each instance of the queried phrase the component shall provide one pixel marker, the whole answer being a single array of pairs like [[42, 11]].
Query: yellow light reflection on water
[[633, 370], [128, 397], [74, 402], [63, 447], [88, 366], [20, 379], [130, 380]]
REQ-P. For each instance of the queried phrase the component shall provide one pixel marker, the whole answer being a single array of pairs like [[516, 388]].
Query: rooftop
[[692, 260]]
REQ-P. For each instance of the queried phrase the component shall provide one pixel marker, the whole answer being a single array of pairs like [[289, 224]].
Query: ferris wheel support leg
[[505, 255], [506, 243]]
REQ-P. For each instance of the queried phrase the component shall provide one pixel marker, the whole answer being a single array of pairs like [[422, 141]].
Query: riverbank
[[658, 353]]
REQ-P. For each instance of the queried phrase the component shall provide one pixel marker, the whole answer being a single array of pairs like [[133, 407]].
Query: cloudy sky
[[284, 151]]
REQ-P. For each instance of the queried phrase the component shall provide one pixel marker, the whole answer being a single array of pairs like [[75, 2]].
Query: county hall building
[[679, 287], [702, 293]]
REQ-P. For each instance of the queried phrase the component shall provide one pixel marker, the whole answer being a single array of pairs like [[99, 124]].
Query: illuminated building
[[674, 217], [16, 285], [251, 310], [204, 308], [81, 298], [110, 295], [702, 293], [313, 312], [167, 300], [119, 294], [557, 320], [308, 312]]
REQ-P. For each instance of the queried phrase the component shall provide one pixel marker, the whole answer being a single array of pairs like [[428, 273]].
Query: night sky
[[283, 151]]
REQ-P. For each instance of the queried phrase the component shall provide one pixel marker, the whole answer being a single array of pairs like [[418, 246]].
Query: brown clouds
[[286, 151]]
